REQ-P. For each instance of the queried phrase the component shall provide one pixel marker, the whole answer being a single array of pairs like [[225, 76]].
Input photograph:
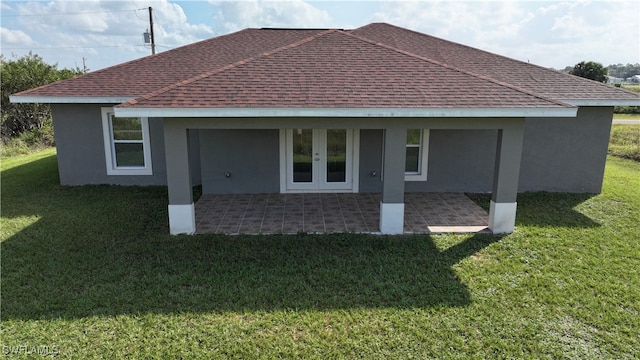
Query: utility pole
[[153, 40]]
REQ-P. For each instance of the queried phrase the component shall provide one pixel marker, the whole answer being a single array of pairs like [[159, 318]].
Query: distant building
[[614, 80], [635, 79]]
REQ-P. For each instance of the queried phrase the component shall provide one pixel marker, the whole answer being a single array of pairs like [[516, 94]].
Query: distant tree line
[[615, 70], [623, 71], [24, 73]]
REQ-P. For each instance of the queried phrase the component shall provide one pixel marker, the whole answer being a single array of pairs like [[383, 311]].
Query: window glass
[[128, 145], [414, 136], [414, 142], [413, 160], [126, 128], [129, 154]]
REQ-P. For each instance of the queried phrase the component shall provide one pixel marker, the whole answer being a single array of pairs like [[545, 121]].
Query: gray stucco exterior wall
[[459, 160], [370, 160], [566, 155], [80, 148], [559, 155], [251, 157]]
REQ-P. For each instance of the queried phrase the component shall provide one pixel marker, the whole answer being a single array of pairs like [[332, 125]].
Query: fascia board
[[345, 112], [603, 102], [28, 99]]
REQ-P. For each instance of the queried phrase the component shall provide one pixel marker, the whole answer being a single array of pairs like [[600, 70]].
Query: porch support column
[[392, 204], [502, 211], [182, 219]]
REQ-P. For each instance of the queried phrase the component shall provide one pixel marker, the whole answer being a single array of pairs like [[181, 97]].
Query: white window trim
[[109, 155], [421, 175]]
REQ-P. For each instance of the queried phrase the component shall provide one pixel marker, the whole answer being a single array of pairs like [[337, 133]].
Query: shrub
[[21, 74], [626, 110], [29, 141]]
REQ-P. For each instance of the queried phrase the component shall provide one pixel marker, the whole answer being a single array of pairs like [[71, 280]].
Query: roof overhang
[[27, 99], [344, 112], [603, 102]]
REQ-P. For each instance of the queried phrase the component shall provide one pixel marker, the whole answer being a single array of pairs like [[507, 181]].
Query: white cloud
[[116, 19], [105, 32], [236, 15], [14, 37], [172, 27], [549, 33]]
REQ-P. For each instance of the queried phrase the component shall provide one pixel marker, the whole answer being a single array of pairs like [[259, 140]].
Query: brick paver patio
[[335, 212]]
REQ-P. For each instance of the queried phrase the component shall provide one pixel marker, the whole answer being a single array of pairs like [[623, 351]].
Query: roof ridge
[[491, 53], [226, 67], [486, 78]]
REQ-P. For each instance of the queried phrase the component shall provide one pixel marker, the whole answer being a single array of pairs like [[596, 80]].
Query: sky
[[99, 34]]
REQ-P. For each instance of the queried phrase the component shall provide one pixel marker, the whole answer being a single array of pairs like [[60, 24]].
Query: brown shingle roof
[[335, 69], [378, 65]]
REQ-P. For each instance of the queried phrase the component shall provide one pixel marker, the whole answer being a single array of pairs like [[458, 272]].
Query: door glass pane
[[126, 128], [302, 155], [336, 155], [129, 154]]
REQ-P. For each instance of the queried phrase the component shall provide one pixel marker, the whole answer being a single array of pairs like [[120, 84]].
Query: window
[[417, 155], [126, 144]]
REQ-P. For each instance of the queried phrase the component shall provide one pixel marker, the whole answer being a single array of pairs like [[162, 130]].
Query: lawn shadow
[[105, 250], [68, 277], [545, 209]]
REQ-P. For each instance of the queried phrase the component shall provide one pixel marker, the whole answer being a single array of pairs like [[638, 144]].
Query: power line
[[69, 47], [138, 16], [72, 13], [82, 47]]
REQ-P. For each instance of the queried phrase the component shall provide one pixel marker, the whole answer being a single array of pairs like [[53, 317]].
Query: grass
[[626, 116], [632, 87], [90, 272], [625, 141]]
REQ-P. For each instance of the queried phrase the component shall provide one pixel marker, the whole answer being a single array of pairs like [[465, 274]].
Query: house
[[376, 109], [615, 80], [635, 79]]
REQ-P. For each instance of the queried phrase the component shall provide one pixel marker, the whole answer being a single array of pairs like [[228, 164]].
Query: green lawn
[[626, 116], [625, 141], [90, 272], [632, 87]]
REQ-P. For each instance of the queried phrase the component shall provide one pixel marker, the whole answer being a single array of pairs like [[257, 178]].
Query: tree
[[21, 74], [590, 70]]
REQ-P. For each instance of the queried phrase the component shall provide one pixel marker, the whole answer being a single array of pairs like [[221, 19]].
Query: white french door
[[319, 159]]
